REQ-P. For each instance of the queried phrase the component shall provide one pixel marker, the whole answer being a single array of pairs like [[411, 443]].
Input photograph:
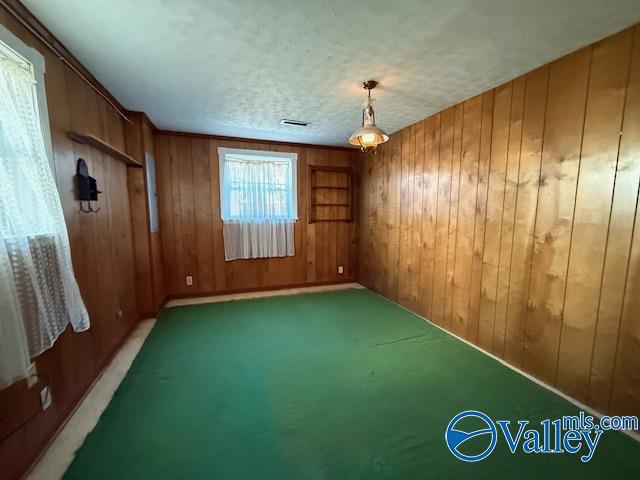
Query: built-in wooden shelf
[[331, 194], [104, 147]]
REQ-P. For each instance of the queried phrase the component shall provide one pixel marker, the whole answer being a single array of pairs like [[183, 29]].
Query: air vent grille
[[295, 123]]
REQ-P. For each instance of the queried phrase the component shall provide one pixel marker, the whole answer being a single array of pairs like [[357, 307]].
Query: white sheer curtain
[[39, 294], [258, 203]]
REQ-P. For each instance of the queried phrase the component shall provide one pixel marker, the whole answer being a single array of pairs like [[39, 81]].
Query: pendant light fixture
[[368, 136]]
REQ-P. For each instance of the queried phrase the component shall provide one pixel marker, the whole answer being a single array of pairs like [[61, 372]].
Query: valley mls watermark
[[472, 435]]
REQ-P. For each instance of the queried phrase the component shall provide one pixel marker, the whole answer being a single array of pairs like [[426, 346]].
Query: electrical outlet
[[45, 398], [340, 269], [119, 313], [32, 375], [189, 280]]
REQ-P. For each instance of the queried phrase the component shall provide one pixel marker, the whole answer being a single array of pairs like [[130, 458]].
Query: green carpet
[[339, 385]]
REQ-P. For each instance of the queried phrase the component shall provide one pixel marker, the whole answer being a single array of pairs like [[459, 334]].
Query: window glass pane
[[258, 188]]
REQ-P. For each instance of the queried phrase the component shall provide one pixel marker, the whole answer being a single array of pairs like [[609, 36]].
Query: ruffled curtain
[[39, 295], [258, 206]]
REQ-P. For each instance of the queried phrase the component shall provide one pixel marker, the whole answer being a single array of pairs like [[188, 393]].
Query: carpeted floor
[[339, 385]]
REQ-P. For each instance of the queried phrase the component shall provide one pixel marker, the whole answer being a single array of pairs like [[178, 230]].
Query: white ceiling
[[236, 67]]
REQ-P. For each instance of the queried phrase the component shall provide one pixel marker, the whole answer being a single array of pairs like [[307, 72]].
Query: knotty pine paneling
[[512, 220], [103, 260], [189, 201]]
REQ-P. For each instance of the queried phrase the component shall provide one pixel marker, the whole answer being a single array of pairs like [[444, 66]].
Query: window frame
[[268, 154], [15, 47]]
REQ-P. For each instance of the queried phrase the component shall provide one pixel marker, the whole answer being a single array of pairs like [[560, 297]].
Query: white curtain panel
[[258, 239], [39, 295], [258, 203]]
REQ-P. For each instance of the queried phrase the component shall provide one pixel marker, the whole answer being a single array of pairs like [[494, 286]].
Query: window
[[39, 295], [13, 48], [258, 202]]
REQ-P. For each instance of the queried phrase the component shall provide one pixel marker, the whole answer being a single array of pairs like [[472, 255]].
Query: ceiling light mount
[[369, 84], [368, 136]]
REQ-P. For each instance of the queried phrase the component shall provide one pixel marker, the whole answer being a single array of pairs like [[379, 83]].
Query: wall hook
[[89, 208]]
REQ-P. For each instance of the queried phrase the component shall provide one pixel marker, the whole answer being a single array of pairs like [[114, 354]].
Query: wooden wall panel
[[429, 212], [600, 142], [394, 179], [453, 214], [619, 313], [103, 259], [505, 248], [529, 228], [493, 216], [193, 243], [147, 245], [203, 217], [480, 215], [139, 216], [406, 217], [155, 241], [567, 95], [442, 216], [466, 208], [525, 213], [625, 391], [418, 199]]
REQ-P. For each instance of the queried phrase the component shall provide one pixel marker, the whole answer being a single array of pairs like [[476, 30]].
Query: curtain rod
[[62, 58]]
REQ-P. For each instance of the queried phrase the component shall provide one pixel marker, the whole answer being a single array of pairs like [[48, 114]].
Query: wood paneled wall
[[102, 251], [150, 293], [189, 198], [511, 220]]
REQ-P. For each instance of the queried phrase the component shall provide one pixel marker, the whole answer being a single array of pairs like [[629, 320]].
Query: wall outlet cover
[[340, 269], [45, 398], [189, 280]]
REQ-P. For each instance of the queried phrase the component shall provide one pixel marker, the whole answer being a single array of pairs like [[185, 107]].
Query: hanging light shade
[[368, 136]]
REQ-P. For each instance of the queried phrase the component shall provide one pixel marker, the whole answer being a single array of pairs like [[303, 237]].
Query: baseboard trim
[[261, 293], [215, 293]]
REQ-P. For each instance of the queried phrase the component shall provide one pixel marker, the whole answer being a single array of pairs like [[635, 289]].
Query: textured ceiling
[[236, 67]]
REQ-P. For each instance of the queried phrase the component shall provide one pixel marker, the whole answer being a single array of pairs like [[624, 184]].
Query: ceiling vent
[[295, 123]]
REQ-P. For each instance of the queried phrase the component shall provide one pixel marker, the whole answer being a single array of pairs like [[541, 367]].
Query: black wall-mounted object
[[87, 187]]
